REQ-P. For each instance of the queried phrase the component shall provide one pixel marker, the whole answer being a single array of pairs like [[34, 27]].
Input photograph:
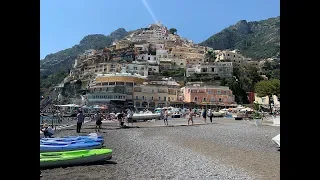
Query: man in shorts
[[165, 119]]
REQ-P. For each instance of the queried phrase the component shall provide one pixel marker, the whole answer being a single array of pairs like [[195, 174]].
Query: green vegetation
[[173, 30], [271, 69], [268, 88], [257, 39], [53, 79], [173, 72]]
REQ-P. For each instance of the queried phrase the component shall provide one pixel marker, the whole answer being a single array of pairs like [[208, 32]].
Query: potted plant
[[258, 118]]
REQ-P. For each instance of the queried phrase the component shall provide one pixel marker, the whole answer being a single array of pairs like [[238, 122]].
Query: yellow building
[[265, 100], [153, 96]]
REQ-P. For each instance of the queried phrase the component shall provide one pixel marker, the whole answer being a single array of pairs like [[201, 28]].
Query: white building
[[222, 69], [233, 56], [146, 57]]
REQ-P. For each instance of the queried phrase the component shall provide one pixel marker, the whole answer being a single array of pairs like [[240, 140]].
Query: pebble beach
[[225, 149]]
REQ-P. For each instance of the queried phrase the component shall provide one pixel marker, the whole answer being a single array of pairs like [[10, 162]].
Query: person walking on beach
[[204, 114], [165, 119], [80, 120], [129, 116], [191, 114], [98, 121], [210, 114]]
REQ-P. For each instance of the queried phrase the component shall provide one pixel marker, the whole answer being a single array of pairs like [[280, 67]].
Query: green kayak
[[65, 158]]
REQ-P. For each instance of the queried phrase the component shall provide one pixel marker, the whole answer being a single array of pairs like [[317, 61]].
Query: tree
[[268, 88], [173, 30]]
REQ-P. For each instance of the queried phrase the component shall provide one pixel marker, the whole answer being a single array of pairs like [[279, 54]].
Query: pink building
[[209, 94]]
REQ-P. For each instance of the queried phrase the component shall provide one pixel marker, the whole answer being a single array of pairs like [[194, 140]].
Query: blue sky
[[63, 23]]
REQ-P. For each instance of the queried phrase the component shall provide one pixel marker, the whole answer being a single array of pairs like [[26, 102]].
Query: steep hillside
[[64, 59], [256, 39]]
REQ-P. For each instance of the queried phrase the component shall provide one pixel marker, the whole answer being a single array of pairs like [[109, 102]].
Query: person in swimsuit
[[190, 116]]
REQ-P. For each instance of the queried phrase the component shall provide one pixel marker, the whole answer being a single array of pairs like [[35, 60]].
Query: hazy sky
[[63, 23]]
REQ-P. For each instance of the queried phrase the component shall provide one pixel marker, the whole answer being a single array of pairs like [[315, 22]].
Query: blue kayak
[[68, 146], [72, 139]]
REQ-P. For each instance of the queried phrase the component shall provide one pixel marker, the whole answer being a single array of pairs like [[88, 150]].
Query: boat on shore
[[67, 158], [68, 146]]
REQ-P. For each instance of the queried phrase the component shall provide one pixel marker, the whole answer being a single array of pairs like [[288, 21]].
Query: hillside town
[[151, 104], [128, 72]]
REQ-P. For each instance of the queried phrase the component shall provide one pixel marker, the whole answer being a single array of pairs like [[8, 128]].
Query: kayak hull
[[71, 162], [65, 159], [69, 147]]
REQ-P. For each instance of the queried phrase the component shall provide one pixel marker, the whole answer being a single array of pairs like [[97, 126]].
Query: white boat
[[217, 114], [276, 140], [145, 116]]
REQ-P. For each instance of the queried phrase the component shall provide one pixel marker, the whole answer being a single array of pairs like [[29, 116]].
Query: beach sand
[[226, 149]]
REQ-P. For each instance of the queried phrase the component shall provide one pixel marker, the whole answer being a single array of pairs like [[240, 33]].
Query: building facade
[[211, 94]]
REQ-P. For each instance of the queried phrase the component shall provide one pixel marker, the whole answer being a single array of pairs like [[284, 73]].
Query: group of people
[[97, 117], [125, 115], [164, 114]]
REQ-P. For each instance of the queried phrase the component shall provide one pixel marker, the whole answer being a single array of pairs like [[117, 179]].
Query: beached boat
[[276, 140], [99, 140], [68, 146], [74, 139], [145, 116], [58, 159]]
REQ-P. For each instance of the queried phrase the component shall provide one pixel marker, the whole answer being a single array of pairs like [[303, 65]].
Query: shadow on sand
[[85, 164]]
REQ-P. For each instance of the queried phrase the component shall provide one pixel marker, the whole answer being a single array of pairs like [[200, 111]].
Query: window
[[218, 92], [212, 100], [204, 99], [234, 55], [148, 58], [220, 100], [136, 97], [212, 69], [228, 54], [152, 91], [209, 91], [159, 98], [168, 98], [164, 98], [142, 58], [143, 97], [195, 99], [151, 97], [154, 58]]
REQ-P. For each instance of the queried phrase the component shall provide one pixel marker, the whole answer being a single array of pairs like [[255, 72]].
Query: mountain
[[64, 59], [256, 39]]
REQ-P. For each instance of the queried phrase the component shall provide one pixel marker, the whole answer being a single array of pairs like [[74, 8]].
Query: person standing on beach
[[129, 116], [98, 121], [190, 116], [210, 114], [80, 120], [204, 114], [165, 119]]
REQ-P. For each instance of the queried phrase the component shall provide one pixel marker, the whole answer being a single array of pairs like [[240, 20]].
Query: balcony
[[162, 91]]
